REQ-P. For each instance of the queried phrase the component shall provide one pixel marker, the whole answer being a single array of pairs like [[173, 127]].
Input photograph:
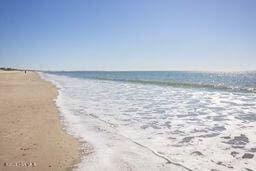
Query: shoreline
[[32, 137], [144, 127], [115, 151], [83, 149]]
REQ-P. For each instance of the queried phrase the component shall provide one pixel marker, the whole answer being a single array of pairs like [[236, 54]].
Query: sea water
[[160, 120]]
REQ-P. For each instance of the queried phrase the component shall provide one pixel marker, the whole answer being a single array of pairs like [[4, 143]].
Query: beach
[[129, 121], [30, 131]]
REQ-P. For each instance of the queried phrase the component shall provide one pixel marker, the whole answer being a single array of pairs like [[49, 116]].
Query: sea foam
[[130, 126]]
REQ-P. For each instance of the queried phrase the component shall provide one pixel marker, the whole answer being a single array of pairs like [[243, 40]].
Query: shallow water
[[137, 126]]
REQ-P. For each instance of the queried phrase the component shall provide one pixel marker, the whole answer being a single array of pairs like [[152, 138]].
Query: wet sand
[[31, 137]]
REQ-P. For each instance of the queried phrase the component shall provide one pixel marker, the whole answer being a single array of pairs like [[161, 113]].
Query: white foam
[[138, 127]]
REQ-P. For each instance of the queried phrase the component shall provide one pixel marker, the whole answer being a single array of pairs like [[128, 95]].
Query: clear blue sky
[[128, 34]]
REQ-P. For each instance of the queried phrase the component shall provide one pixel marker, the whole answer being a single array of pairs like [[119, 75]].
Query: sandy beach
[[30, 131]]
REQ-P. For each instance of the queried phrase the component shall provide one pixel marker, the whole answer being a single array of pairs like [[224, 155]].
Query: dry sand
[[30, 131]]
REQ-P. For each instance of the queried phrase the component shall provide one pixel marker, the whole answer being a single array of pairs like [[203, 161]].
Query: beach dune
[[31, 137]]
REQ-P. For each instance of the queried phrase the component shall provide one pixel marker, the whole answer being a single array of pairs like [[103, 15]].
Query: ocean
[[160, 120]]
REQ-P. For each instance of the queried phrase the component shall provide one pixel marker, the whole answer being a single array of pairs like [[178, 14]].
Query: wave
[[182, 84], [233, 82]]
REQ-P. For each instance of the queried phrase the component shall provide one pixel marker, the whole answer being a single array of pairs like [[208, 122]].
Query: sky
[[128, 34]]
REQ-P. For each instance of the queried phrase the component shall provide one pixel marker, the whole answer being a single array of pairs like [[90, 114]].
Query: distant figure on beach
[[25, 71]]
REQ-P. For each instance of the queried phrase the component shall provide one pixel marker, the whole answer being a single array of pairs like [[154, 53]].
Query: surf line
[[113, 126]]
